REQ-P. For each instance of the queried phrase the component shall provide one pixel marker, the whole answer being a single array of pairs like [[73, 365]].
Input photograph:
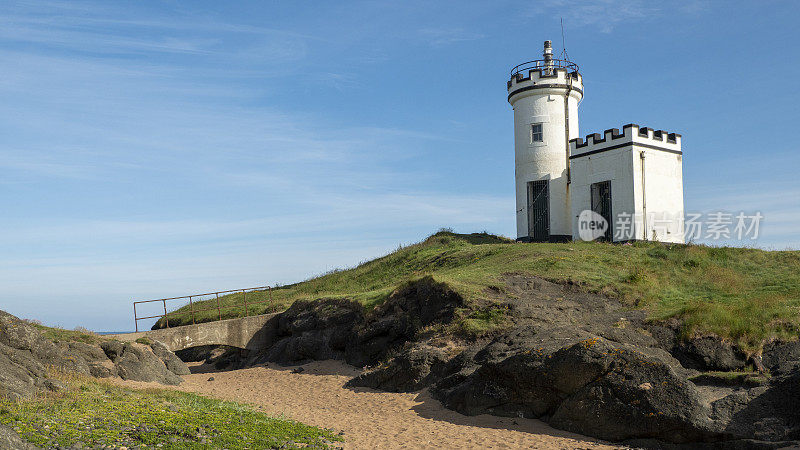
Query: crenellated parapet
[[631, 134], [560, 79]]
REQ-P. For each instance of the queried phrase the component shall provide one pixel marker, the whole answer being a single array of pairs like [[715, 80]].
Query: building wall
[[615, 166], [546, 160], [663, 200], [655, 202]]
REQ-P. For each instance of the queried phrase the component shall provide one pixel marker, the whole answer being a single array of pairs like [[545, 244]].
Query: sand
[[371, 419]]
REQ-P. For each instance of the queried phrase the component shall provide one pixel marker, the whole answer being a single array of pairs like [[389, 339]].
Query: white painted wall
[[663, 182], [546, 160]]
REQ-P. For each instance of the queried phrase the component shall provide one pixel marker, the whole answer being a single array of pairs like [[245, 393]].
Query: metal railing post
[[219, 310], [269, 289], [191, 305], [244, 294], [135, 318], [166, 318]]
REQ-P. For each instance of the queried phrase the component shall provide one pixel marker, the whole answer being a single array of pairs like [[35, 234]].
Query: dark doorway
[[539, 210], [601, 204]]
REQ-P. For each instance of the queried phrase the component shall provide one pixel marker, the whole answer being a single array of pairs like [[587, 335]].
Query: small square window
[[536, 133]]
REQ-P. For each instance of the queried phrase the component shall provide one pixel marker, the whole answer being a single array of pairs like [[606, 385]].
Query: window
[[536, 133]]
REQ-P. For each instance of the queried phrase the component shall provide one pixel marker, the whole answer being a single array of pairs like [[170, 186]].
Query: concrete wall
[[533, 102], [252, 333]]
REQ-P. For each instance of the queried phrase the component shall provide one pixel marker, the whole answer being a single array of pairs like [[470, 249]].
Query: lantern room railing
[[541, 64]]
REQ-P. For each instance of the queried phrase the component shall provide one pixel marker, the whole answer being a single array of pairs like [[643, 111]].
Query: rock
[[339, 328], [99, 370], [26, 356], [632, 397], [90, 353], [9, 439], [138, 362], [313, 330], [590, 386], [710, 353], [767, 413], [112, 349], [299, 370], [223, 357], [19, 373], [781, 357], [173, 363], [391, 324], [410, 370]]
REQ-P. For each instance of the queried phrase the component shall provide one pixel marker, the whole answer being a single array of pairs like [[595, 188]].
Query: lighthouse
[[545, 94], [615, 186]]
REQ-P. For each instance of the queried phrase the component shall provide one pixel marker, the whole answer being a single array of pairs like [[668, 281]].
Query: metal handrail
[[541, 64], [219, 307]]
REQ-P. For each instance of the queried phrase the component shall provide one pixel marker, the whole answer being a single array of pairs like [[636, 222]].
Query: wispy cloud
[[441, 37], [605, 15]]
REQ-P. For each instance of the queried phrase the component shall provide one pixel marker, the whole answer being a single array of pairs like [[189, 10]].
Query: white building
[[565, 185]]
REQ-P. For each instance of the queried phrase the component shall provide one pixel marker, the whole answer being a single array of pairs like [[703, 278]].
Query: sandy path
[[372, 419]]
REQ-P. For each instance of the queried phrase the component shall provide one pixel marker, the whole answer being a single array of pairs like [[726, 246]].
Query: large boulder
[[627, 395], [313, 330], [768, 413], [170, 360], [591, 386], [400, 318], [137, 362], [781, 357], [340, 329], [411, 369]]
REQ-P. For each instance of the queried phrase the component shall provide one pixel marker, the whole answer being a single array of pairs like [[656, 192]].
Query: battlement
[[630, 134], [539, 75]]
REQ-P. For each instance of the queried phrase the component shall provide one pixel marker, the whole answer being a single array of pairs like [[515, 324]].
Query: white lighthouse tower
[[545, 94]]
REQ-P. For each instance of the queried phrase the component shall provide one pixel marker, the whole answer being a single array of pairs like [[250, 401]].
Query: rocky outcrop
[[705, 353], [340, 329], [138, 362], [28, 360], [588, 385], [767, 413], [400, 318], [413, 368], [170, 360], [314, 330]]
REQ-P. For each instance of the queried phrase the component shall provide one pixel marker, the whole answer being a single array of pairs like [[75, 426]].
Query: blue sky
[[152, 149]]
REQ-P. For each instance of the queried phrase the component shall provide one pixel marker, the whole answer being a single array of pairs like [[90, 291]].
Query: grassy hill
[[746, 295]]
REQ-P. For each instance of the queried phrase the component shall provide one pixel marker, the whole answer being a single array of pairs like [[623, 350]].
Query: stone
[[137, 362], [9, 439], [173, 363], [410, 370]]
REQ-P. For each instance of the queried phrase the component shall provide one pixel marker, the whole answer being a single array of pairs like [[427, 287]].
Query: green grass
[[94, 414], [56, 334], [743, 294]]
